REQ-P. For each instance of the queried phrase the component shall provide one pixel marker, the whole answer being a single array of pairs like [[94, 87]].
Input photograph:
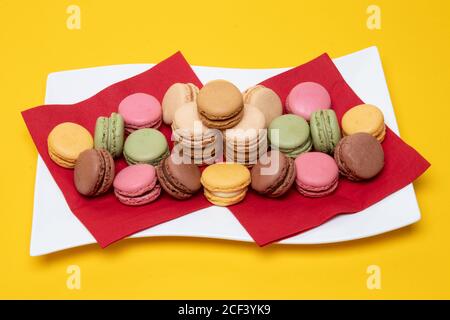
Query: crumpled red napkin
[[270, 220], [106, 218]]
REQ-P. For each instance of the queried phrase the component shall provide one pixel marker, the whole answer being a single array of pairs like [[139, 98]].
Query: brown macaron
[[94, 172], [220, 105], [180, 180], [273, 175], [359, 156]]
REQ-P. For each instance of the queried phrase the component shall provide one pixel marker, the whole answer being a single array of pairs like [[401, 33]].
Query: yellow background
[[415, 49]]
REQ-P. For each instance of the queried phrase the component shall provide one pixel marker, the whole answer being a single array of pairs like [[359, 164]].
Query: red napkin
[[270, 220], [105, 217]]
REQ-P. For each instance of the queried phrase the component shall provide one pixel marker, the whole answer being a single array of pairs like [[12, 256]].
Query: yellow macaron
[[225, 183], [364, 118], [66, 141]]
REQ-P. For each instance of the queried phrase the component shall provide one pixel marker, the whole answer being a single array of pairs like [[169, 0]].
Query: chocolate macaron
[[178, 179], [220, 104], [94, 172], [359, 156], [273, 175]]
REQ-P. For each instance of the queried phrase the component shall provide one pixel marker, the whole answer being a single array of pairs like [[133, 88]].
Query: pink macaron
[[139, 111], [307, 97], [317, 174], [137, 185]]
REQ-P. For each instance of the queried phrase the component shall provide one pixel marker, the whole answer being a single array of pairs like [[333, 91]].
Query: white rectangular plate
[[56, 228]]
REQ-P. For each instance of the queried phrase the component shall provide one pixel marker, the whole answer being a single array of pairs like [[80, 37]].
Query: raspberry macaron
[[317, 174], [137, 185], [140, 111]]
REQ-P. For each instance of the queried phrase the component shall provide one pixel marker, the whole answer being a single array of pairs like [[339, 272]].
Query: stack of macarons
[[225, 184], [246, 142], [194, 142], [140, 111], [220, 105]]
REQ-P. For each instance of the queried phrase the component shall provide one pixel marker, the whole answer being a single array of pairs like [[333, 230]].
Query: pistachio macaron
[[109, 134], [325, 130], [290, 134], [145, 146]]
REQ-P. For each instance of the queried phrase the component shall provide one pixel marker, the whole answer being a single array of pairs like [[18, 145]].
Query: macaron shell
[[116, 132], [66, 141], [222, 201], [140, 109], [222, 124], [108, 177], [227, 177], [363, 118], [309, 192], [307, 97], [101, 135], [140, 200], [177, 95], [252, 122], [266, 100], [219, 100]]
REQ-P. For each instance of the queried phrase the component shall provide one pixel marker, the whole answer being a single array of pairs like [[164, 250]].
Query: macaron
[[307, 97], [194, 141], [109, 134], [247, 141], [145, 146], [225, 184], [137, 185], [94, 172], [273, 175], [139, 111], [325, 130], [178, 179], [290, 134], [220, 104], [364, 118], [359, 156], [177, 95], [266, 100], [317, 174], [65, 143]]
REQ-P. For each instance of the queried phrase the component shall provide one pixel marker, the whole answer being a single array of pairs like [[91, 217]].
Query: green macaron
[[109, 134], [325, 131], [290, 134], [146, 146]]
